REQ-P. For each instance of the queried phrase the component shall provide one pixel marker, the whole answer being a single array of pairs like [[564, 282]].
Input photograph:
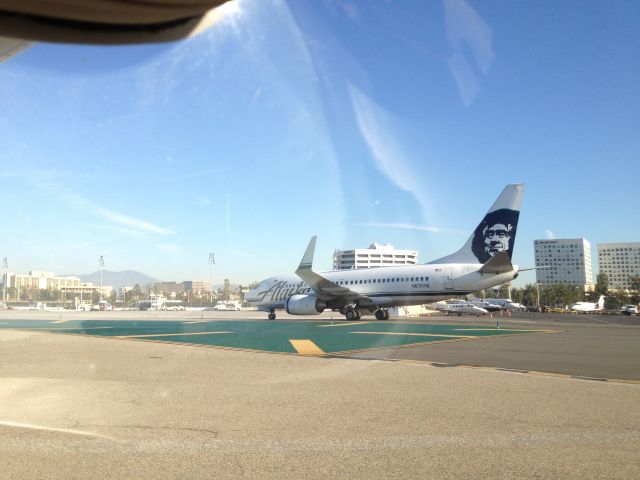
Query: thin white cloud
[[405, 226], [468, 33], [549, 235], [78, 201], [376, 127], [170, 248], [112, 228]]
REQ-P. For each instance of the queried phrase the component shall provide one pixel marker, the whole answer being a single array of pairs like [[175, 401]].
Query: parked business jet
[[459, 307], [588, 307], [484, 303], [483, 262], [501, 303]]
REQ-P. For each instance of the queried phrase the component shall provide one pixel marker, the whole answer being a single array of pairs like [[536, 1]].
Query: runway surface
[[75, 406]]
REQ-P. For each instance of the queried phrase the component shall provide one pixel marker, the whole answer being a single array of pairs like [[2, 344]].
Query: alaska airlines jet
[[589, 307], [483, 262]]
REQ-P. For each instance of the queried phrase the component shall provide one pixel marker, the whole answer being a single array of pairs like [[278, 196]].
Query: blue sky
[[361, 122]]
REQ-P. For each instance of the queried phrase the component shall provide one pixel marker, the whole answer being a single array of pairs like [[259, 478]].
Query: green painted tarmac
[[270, 336]]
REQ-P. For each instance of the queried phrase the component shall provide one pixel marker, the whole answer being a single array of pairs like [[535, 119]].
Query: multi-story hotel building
[[568, 262], [619, 261], [375, 256], [37, 280]]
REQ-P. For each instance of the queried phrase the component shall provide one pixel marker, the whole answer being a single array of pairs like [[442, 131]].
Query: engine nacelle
[[304, 305]]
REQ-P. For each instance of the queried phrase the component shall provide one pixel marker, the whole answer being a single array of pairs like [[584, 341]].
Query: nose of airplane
[[251, 296]]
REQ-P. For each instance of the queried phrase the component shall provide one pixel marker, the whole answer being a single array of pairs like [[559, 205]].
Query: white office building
[[376, 255], [619, 261], [568, 262]]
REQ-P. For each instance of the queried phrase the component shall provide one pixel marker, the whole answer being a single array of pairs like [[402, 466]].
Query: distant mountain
[[128, 278]]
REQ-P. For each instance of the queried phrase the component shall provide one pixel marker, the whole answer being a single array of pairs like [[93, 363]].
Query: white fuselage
[[586, 307], [460, 307], [385, 286]]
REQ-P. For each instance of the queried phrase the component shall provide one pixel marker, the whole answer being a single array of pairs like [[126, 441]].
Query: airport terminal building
[[619, 261], [376, 255], [568, 262]]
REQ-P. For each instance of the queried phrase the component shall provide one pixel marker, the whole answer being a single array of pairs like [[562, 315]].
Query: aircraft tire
[[386, 314], [380, 314], [271, 316]]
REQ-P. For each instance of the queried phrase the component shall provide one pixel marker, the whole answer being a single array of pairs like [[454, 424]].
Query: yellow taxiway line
[[516, 330], [306, 347], [177, 334]]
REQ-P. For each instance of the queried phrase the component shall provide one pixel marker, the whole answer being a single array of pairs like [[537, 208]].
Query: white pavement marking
[[177, 334], [416, 334], [343, 324], [8, 423]]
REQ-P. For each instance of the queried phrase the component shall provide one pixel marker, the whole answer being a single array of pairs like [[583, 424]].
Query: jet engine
[[304, 305]]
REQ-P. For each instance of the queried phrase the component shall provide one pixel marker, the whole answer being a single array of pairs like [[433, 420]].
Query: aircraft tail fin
[[601, 302], [496, 233]]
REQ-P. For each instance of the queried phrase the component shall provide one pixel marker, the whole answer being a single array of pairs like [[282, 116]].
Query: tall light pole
[[101, 264], [5, 265], [212, 262]]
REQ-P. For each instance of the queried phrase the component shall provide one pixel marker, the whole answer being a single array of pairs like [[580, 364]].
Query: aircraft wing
[[319, 284]]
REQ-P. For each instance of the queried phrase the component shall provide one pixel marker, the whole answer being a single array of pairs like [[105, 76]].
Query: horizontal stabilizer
[[499, 263]]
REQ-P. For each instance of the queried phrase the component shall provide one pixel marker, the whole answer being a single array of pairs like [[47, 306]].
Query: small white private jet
[[459, 307], [588, 307], [501, 303], [483, 262]]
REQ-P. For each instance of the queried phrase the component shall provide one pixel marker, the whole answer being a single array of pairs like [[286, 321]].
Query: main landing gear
[[272, 314], [352, 313]]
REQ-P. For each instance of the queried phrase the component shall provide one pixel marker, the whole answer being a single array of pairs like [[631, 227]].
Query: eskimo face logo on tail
[[496, 233]]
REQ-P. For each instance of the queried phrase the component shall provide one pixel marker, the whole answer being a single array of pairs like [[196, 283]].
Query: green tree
[[136, 293], [24, 294], [602, 285], [503, 291], [634, 280], [12, 292]]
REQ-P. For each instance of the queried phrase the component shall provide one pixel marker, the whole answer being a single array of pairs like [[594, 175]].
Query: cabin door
[[448, 279]]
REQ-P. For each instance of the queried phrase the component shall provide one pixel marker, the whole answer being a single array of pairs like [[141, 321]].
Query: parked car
[[630, 309]]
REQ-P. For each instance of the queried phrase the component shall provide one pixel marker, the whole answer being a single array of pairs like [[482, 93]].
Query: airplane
[[588, 307], [459, 307], [483, 261], [484, 303], [501, 303]]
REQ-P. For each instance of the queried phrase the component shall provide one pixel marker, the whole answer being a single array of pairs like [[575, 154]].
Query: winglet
[[499, 263], [307, 260]]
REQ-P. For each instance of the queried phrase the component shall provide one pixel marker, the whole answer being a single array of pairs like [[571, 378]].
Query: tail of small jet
[[600, 303], [496, 232]]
